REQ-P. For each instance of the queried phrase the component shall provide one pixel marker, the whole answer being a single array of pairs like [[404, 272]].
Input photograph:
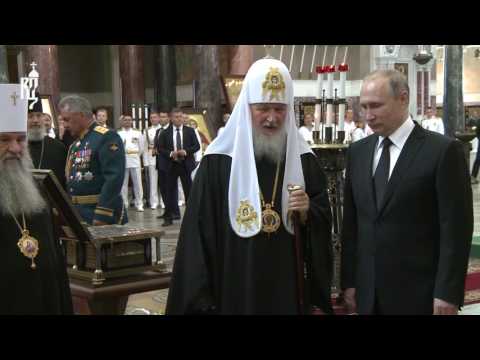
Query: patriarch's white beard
[[271, 147]]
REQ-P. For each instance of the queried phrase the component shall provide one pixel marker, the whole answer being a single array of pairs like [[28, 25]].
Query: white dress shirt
[[398, 139]]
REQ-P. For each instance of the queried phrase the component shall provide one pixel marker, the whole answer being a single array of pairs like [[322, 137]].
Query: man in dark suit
[[162, 168], [408, 213], [176, 148]]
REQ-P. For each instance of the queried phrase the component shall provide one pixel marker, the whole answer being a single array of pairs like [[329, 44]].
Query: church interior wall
[[86, 70], [471, 78], [357, 59]]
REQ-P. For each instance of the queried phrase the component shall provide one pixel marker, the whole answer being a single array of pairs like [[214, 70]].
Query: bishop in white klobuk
[[34, 277]]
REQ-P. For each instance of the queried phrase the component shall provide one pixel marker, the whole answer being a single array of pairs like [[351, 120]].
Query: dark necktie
[[179, 140], [381, 173]]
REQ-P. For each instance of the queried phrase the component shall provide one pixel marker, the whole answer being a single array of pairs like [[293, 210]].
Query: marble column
[[453, 107], [208, 94], [116, 85], [132, 76], [46, 58], [423, 91], [241, 58], [3, 64], [165, 84]]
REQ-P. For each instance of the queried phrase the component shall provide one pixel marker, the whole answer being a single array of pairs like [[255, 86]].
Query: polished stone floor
[[153, 303]]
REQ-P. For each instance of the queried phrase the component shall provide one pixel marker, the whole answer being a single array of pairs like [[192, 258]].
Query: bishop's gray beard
[[271, 147], [18, 190], [36, 133]]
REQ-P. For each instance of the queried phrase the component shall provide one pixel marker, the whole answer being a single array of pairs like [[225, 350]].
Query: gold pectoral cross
[[14, 97]]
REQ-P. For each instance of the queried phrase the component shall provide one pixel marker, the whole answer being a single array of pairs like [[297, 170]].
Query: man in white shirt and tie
[[408, 211], [161, 168], [134, 148]]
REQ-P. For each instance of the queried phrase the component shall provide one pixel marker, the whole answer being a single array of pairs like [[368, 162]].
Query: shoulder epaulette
[[100, 129]]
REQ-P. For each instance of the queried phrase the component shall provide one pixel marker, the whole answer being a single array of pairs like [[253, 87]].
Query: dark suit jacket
[[164, 146], [415, 247]]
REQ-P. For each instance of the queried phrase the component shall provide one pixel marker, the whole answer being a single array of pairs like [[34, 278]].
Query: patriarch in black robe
[[236, 252]]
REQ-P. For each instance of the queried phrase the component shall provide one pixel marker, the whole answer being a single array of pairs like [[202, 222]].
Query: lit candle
[[317, 115], [343, 79], [319, 82], [331, 72], [133, 111], [342, 68], [140, 112], [330, 82]]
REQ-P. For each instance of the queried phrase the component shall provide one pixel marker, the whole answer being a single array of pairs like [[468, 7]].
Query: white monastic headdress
[[13, 117], [267, 81]]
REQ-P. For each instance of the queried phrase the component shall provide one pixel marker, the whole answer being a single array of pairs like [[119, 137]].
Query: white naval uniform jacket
[[134, 146], [148, 158]]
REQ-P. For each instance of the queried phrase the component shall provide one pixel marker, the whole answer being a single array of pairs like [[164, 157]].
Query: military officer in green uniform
[[95, 165]]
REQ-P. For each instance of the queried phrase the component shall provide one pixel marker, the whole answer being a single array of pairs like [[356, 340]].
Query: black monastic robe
[[43, 291], [54, 156], [216, 271]]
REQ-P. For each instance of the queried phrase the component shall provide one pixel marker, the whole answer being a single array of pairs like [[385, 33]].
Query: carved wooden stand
[[332, 160]]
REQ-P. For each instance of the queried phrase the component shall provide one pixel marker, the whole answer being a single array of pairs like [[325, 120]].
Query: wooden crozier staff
[[299, 260]]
